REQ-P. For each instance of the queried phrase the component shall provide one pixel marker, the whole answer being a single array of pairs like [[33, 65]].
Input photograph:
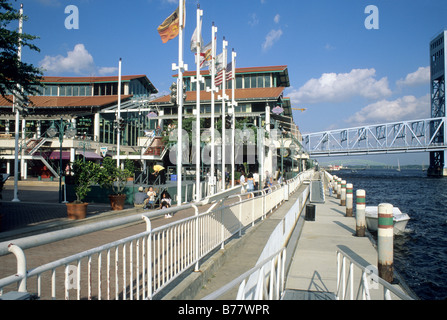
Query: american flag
[[228, 75]]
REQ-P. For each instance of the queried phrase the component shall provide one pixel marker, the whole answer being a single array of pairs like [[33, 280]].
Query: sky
[[348, 65]]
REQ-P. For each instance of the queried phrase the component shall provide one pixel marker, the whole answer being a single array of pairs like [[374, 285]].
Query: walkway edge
[[189, 288]]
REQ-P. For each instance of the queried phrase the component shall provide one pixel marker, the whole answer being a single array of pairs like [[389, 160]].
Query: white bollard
[[343, 193], [385, 236], [360, 220], [349, 199]]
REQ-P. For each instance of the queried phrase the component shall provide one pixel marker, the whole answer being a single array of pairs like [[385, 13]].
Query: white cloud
[[79, 61], [254, 20], [272, 37], [277, 18], [404, 108], [420, 77], [107, 70], [333, 87]]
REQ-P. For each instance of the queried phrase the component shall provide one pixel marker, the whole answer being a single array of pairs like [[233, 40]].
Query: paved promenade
[[313, 269], [311, 251], [312, 248]]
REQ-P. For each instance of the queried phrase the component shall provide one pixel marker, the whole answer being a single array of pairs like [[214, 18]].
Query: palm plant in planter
[[85, 174], [114, 178]]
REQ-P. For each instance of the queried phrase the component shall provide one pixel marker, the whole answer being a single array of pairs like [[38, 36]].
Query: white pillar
[[118, 130], [224, 98], [268, 161], [97, 127], [233, 117], [23, 161], [198, 80]]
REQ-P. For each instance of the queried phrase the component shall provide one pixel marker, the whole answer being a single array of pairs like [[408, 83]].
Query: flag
[[169, 29], [228, 74], [206, 55], [194, 39], [229, 71], [219, 62]]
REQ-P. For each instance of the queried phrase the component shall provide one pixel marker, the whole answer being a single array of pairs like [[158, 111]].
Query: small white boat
[[372, 219]]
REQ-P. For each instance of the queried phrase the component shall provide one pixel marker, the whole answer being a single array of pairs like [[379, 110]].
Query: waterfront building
[[259, 93], [90, 105], [72, 102]]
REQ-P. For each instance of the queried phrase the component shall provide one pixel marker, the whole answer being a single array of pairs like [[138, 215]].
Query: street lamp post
[[292, 147], [70, 133]]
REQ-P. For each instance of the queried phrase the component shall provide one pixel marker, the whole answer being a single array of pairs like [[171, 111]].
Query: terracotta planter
[[117, 201], [76, 211]]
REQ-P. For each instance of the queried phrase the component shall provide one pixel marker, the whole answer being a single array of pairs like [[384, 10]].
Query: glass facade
[[243, 81], [136, 123]]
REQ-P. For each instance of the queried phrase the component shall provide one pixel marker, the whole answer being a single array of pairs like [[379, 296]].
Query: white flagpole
[[198, 81], [16, 135], [213, 89], [233, 107], [224, 98], [181, 68], [118, 128]]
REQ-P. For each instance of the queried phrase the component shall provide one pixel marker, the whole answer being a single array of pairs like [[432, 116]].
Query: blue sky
[[343, 73]]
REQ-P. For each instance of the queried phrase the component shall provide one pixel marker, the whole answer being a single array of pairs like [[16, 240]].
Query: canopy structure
[[56, 155]]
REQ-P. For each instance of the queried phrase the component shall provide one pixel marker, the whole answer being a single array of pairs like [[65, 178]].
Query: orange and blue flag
[[169, 29]]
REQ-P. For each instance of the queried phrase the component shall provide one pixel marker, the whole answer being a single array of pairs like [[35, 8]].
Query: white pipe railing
[[367, 285], [140, 266], [270, 280]]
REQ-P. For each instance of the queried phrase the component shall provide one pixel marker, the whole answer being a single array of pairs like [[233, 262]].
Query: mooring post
[[343, 193], [349, 199], [334, 185], [360, 220], [338, 188], [385, 241]]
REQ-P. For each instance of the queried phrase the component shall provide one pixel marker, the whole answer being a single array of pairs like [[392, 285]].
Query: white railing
[[270, 280], [363, 285], [140, 266], [266, 281]]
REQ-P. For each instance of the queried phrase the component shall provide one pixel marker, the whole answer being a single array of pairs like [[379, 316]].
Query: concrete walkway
[[312, 274], [240, 255], [313, 269]]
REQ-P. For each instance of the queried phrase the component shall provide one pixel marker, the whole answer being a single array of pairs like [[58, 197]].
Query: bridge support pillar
[[438, 165]]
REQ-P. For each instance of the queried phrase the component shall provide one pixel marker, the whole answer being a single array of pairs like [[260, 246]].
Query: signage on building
[[103, 151]]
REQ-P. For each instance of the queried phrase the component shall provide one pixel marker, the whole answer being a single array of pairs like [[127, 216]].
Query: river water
[[420, 254]]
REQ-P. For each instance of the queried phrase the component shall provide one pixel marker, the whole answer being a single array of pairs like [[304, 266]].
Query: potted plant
[[85, 174], [114, 178]]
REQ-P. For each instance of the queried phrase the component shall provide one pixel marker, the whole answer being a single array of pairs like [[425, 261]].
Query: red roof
[[240, 94], [46, 102], [242, 70]]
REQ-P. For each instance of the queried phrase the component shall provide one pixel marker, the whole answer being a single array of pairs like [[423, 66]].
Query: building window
[[247, 83], [239, 84]]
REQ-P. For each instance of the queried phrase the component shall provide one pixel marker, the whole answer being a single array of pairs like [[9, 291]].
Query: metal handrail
[[275, 280], [149, 261], [346, 285]]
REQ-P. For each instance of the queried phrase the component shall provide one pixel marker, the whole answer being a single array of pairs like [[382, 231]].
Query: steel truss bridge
[[426, 135]]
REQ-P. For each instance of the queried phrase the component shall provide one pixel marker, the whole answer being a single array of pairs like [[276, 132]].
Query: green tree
[[110, 176], [85, 175], [14, 72]]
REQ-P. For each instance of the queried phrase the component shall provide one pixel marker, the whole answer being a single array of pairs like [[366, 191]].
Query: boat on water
[[372, 219]]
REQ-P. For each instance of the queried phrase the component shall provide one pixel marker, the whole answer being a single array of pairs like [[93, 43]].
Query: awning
[[56, 155], [90, 155]]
